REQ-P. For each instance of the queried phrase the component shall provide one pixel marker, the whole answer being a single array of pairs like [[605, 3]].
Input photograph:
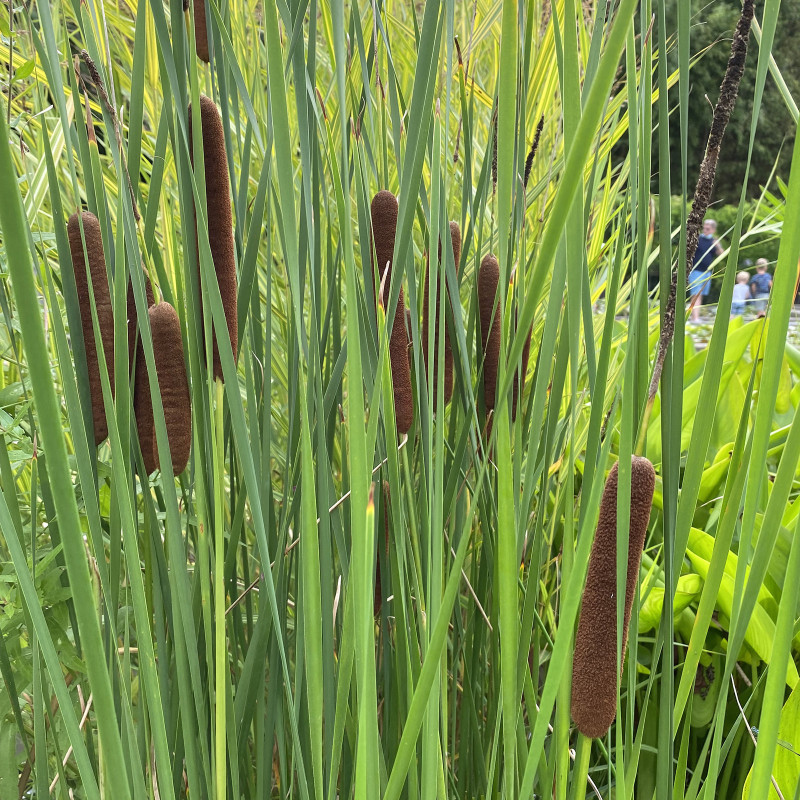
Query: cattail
[[488, 278], [594, 662], [384, 227], [173, 386], [133, 317], [378, 599], [455, 238], [105, 316], [220, 220], [200, 30], [532, 152]]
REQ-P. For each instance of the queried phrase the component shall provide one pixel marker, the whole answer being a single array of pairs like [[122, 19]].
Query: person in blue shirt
[[760, 286], [699, 284]]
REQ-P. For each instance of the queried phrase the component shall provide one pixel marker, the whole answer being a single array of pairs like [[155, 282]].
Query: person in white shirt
[[741, 294]]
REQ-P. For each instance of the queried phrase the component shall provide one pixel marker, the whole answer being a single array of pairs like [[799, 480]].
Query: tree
[[712, 27]]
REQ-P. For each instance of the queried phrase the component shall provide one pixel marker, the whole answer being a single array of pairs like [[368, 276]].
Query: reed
[[455, 239], [102, 299], [220, 221], [594, 663], [384, 226], [173, 386]]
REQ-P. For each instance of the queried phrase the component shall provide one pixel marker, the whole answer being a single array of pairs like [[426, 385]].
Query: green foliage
[[212, 635]]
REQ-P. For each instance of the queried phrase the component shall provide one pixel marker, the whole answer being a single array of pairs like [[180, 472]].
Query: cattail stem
[[384, 226], [102, 299], [595, 671], [580, 774], [220, 222]]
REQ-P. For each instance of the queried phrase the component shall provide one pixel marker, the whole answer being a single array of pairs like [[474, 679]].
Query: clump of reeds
[[489, 314], [105, 316], [378, 599], [200, 30], [384, 226], [594, 663], [455, 238], [173, 386], [220, 221]]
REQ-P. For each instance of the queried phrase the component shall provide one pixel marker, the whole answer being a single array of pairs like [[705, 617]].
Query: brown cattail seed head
[[200, 30], [174, 387], [378, 599], [488, 278], [220, 220], [594, 662], [102, 299], [455, 238], [384, 225], [133, 316]]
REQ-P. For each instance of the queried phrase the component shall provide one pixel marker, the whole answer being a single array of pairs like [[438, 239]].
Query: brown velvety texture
[[200, 31], [133, 328], [384, 227], [174, 387], [488, 278], [378, 600], [455, 238], [594, 662], [105, 315], [408, 333], [220, 220]]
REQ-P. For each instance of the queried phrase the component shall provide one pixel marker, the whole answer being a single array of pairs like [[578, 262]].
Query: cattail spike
[[594, 662], [488, 279], [455, 239], [532, 152], [200, 30], [220, 220], [105, 315], [384, 226], [174, 387]]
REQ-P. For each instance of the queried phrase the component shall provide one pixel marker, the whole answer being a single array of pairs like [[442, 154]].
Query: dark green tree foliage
[[712, 28]]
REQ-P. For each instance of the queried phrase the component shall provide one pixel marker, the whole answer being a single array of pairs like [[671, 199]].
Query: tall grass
[[214, 634]]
